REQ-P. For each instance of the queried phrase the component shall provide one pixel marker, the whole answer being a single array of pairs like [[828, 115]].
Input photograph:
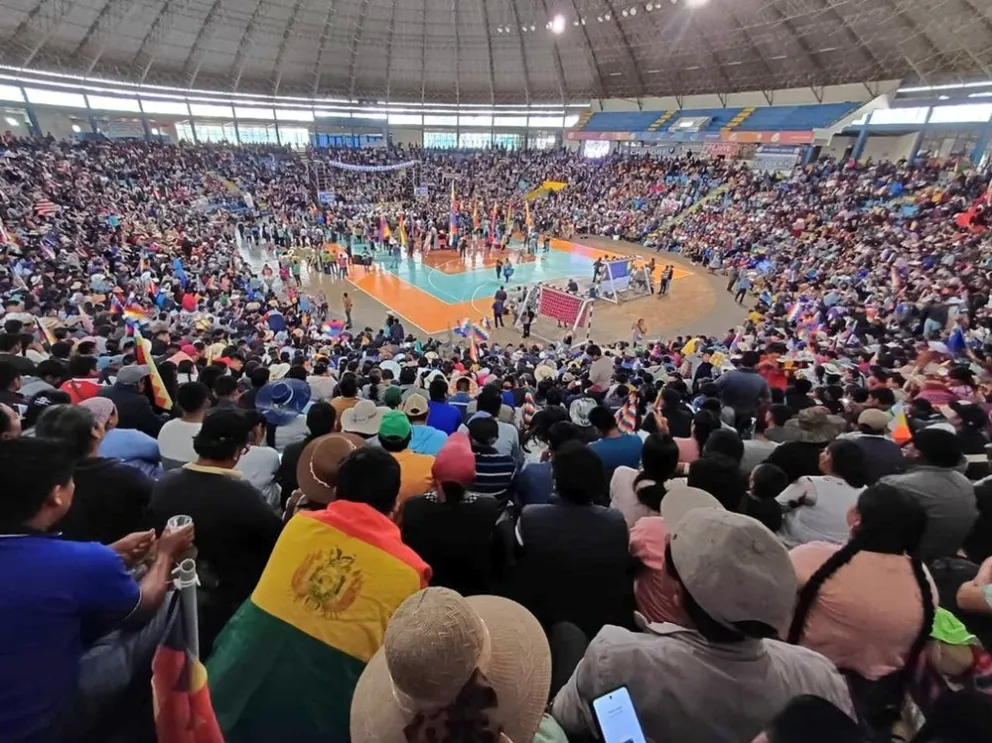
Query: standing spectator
[[743, 390], [319, 612], [175, 440], [235, 530], [348, 304], [883, 456], [110, 498]]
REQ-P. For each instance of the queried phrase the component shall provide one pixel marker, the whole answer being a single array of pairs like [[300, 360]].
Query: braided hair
[[892, 523], [659, 458]]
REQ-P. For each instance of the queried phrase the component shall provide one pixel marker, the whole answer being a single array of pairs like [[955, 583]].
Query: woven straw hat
[[426, 670]]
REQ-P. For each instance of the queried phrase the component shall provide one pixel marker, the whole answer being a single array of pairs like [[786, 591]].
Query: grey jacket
[[686, 688], [948, 497]]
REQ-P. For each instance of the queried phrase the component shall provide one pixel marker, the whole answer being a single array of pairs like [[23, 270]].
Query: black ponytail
[[891, 523], [659, 458]]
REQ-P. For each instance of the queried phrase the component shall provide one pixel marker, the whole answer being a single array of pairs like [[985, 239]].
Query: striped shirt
[[494, 473]]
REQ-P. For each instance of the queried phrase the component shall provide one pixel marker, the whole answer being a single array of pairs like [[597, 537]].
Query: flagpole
[[186, 582]]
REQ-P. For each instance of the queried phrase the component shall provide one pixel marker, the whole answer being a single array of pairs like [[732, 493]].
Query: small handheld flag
[[453, 218]]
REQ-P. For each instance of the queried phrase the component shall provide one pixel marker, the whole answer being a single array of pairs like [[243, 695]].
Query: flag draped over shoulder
[[286, 665], [183, 713]]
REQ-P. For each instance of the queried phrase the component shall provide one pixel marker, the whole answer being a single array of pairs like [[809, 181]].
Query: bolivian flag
[[286, 665]]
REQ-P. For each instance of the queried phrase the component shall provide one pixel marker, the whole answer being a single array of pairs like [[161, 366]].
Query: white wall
[[55, 122], [407, 136], [837, 147], [888, 148], [783, 97]]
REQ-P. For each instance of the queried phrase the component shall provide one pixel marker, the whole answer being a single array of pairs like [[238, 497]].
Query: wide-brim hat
[[543, 371], [815, 426], [281, 401], [364, 417], [319, 463], [426, 669]]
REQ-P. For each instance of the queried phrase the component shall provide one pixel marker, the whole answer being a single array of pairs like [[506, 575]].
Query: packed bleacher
[[781, 534]]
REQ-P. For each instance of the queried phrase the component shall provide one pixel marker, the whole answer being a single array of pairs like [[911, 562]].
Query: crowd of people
[[781, 534]]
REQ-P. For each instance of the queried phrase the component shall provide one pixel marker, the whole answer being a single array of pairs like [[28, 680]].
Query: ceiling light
[[607, 16], [575, 22], [583, 21], [155, 131], [624, 13], [649, 7], [75, 127], [12, 121], [633, 11], [558, 24], [524, 29], [499, 29], [696, 3], [599, 18], [533, 27], [548, 25]]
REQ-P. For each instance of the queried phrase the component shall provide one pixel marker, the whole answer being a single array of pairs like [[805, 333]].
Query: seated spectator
[[235, 530], [364, 419], [322, 382], [452, 529], [573, 559], [638, 493], [508, 438], [259, 465], [615, 449], [110, 498], [465, 392], [395, 435], [809, 433], [425, 439], [83, 382], [765, 484], [347, 397], [442, 415], [10, 385], [703, 424], [320, 422], [319, 612], [59, 596], [578, 413], [719, 475], [432, 658], [534, 443], [130, 446], [226, 392], [129, 394], [38, 405], [868, 605], [970, 421], [284, 404], [175, 440], [317, 472], [720, 677], [495, 471], [797, 395], [816, 508], [945, 494], [883, 456], [760, 446], [676, 412]]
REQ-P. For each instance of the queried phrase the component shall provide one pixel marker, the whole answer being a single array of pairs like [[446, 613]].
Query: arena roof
[[492, 51]]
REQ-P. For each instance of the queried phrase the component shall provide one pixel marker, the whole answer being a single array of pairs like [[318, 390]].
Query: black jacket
[[134, 410], [110, 502]]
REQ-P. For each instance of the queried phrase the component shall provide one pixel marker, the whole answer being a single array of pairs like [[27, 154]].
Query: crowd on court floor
[[784, 532]]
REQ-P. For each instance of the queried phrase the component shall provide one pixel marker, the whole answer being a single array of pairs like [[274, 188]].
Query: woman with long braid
[[869, 605]]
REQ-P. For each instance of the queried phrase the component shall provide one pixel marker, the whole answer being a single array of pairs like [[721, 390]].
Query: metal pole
[[186, 582]]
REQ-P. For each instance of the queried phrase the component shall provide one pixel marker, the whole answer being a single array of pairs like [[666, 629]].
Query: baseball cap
[[395, 425], [455, 462], [734, 568], [133, 373], [874, 419], [415, 406], [393, 396]]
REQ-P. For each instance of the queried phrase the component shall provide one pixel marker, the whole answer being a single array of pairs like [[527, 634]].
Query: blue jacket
[[133, 448]]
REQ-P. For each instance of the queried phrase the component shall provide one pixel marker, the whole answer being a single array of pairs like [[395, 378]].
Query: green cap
[[393, 396], [395, 425], [948, 629]]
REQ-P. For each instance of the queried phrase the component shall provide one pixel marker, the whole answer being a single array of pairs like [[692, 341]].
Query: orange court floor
[[437, 291]]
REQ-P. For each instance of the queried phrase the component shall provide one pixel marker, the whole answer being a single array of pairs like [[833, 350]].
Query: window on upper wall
[[913, 115], [259, 113], [440, 120], [113, 103], [483, 121], [516, 122], [546, 122], [11, 93], [206, 109], [440, 140], [406, 120], [184, 131], [297, 137], [507, 141], [475, 140], [171, 108], [976, 113], [288, 114], [44, 97]]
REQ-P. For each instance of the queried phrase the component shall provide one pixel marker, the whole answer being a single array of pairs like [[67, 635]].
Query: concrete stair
[[677, 219], [583, 120], [739, 118], [661, 121]]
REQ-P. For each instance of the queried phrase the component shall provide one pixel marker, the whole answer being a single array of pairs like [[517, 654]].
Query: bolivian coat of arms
[[327, 582]]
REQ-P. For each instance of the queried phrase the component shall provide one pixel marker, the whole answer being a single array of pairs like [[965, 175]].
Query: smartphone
[[616, 717]]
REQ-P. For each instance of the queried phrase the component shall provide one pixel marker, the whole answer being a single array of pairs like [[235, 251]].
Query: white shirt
[[259, 466], [823, 515], [175, 440]]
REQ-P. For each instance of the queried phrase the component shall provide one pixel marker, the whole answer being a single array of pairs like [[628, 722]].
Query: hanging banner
[[371, 168]]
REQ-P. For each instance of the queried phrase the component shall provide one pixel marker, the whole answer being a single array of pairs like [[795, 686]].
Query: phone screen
[[616, 717]]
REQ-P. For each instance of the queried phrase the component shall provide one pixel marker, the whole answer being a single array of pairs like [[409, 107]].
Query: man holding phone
[[723, 676]]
